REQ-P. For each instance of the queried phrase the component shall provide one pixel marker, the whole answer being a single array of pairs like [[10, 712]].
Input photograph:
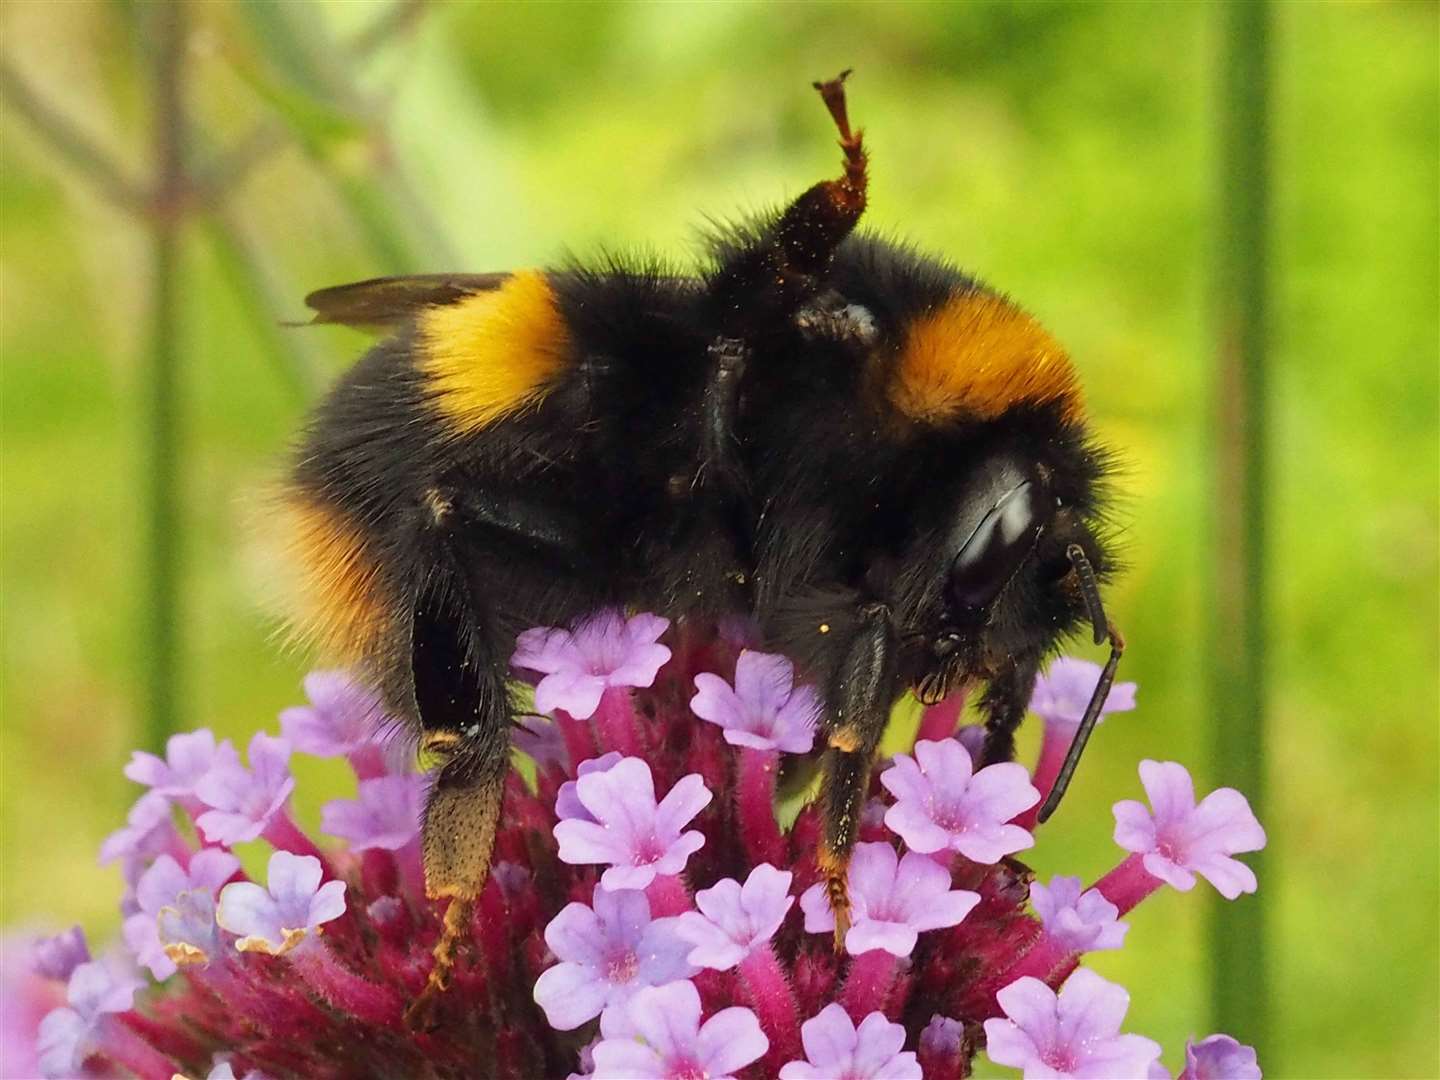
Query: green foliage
[[1066, 152]]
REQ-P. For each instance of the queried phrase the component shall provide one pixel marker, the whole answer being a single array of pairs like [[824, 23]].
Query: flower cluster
[[647, 915]]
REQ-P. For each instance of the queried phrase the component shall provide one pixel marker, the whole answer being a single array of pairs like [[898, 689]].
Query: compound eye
[[999, 544]]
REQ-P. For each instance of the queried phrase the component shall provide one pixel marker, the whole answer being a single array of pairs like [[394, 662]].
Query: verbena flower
[[646, 914], [1073, 1033]]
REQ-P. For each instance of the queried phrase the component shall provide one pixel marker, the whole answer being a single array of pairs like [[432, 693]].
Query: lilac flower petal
[[732, 920], [578, 666], [577, 692], [636, 837], [343, 716], [763, 710], [1073, 1034], [730, 1040], [570, 995], [385, 815], [1063, 691], [567, 800], [244, 801], [836, 1048], [148, 829], [1082, 921], [277, 918], [892, 901], [188, 757], [1219, 1057], [57, 956], [1179, 839], [941, 805]]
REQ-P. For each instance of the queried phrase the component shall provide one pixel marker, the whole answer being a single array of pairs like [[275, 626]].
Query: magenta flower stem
[[668, 896], [940, 720], [579, 742], [341, 987], [615, 721], [123, 1046], [770, 995], [284, 835], [1128, 883], [755, 806], [867, 987], [1052, 755], [1048, 960]]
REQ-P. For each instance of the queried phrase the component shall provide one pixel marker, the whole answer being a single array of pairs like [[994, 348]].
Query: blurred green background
[[1065, 152]]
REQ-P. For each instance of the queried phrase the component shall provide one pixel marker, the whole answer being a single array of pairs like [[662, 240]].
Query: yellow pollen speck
[[824, 628]]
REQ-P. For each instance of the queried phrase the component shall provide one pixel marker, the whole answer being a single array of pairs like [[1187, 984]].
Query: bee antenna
[[1089, 590], [1087, 724]]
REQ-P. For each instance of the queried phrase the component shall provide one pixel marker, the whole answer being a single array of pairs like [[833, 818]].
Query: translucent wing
[[379, 304]]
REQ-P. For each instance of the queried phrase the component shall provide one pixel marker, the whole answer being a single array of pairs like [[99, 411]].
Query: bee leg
[[463, 704], [1004, 703], [727, 358], [861, 692]]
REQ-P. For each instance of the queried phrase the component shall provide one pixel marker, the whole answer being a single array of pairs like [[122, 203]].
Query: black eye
[[998, 545]]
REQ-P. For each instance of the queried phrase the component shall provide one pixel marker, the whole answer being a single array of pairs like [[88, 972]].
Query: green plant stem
[[162, 436], [1240, 988]]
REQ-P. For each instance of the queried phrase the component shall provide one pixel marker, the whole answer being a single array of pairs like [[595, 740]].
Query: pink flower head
[[1075, 920], [1063, 690], [159, 888], [343, 716], [734, 919], [1179, 839], [637, 837], [942, 806], [567, 800], [579, 665], [70, 1034], [1075, 1033], [892, 901], [188, 757], [606, 955], [764, 710], [385, 815], [149, 830], [1219, 1057], [243, 801], [660, 1037], [57, 956], [275, 919], [835, 1049]]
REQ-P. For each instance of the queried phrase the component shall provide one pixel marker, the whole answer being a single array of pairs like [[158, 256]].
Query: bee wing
[[380, 303]]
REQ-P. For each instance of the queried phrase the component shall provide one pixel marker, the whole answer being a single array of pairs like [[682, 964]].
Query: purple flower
[[941, 806], [764, 710], [835, 1049], [159, 888], [1077, 921], [1219, 1057], [244, 801], [941, 1041], [636, 837], [385, 815], [735, 920], [56, 957], [187, 929], [606, 955], [660, 1037], [70, 1034], [1076, 1033], [343, 717], [149, 830], [1179, 839], [187, 758], [581, 664], [568, 806], [276, 919], [892, 901], [1063, 690]]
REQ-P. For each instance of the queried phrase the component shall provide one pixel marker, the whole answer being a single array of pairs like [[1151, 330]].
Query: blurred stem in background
[[164, 509], [1237, 654]]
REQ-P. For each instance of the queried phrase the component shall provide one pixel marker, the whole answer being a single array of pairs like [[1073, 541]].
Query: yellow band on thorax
[[494, 353]]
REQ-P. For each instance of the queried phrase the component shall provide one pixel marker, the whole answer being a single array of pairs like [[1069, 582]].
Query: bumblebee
[[880, 459]]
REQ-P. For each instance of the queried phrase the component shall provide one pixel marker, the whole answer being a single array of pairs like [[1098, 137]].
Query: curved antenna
[[1087, 725]]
